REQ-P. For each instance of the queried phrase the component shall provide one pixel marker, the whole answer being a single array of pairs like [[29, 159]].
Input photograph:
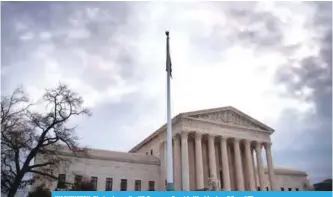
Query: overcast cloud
[[272, 61]]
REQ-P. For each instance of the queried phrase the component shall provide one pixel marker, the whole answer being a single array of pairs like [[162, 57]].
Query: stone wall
[[286, 178], [109, 164]]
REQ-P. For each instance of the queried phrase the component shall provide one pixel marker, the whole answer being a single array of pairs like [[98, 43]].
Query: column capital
[[198, 135], [184, 133], [176, 137], [258, 145], [247, 143], [224, 138], [211, 136], [267, 145], [236, 140]]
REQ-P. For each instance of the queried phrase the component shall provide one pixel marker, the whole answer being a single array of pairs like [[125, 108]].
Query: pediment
[[229, 116]]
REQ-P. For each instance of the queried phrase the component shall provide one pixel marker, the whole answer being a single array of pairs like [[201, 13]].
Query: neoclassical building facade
[[221, 145]]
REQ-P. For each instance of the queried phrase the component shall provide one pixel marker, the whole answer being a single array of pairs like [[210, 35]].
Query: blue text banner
[[191, 194]]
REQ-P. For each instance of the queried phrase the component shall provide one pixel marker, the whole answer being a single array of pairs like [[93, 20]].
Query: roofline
[[154, 134], [201, 111], [120, 157], [287, 171]]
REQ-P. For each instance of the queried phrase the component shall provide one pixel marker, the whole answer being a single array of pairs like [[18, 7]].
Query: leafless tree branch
[[26, 134]]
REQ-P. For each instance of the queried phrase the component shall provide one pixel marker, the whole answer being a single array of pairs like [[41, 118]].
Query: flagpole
[[170, 184]]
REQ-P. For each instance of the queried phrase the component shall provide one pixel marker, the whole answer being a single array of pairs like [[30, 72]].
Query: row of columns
[[181, 169]]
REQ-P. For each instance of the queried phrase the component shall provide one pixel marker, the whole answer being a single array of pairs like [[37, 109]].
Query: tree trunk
[[14, 187]]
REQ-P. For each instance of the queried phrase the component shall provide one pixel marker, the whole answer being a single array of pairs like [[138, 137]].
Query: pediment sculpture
[[229, 117]]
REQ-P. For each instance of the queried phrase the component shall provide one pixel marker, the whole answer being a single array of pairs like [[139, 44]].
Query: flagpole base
[[170, 187]]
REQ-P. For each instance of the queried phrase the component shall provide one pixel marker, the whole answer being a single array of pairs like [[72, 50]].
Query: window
[[94, 182], [123, 185], [78, 179], [108, 184], [137, 185], [151, 186], [289, 189], [297, 189], [61, 181], [282, 189]]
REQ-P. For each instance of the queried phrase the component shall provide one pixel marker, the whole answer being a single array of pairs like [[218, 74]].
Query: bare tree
[[27, 133]]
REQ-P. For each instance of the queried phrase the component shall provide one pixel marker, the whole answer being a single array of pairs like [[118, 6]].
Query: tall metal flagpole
[[170, 184]]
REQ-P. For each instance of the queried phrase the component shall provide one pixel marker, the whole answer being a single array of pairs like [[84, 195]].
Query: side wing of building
[[108, 170]]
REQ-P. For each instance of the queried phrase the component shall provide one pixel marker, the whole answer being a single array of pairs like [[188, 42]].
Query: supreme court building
[[222, 145]]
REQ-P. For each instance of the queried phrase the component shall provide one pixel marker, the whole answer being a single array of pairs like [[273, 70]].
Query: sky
[[272, 61]]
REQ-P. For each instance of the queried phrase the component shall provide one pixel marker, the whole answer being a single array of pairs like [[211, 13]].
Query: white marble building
[[221, 144]]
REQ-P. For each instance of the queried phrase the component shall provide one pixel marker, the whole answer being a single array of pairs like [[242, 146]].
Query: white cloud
[[211, 66], [232, 80], [237, 77], [78, 33], [27, 36], [45, 35]]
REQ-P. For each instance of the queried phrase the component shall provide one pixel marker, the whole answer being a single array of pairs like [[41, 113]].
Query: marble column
[[231, 162], [238, 165], [248, 156], [163, 166], [225, 165], [212, 159], [185, 163], [254, 169], [271, 174], [177, 163], [260, 167], [199, 162]]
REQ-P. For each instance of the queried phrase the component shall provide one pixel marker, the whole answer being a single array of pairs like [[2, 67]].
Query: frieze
[[228, 117]]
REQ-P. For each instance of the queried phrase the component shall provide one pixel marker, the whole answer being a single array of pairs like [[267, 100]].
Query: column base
[[170, 187]]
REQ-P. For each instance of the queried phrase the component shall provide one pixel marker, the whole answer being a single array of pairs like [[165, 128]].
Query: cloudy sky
[[272, 61]]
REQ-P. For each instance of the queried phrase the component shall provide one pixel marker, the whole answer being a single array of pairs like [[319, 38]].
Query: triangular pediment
[[229, 116]]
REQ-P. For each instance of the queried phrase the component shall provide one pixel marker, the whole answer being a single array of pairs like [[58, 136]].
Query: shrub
[[84, 185], [40, 191]]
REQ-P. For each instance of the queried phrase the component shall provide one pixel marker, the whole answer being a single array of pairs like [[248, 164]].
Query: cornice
[[143, 159], [280, 171], [228, 125]]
